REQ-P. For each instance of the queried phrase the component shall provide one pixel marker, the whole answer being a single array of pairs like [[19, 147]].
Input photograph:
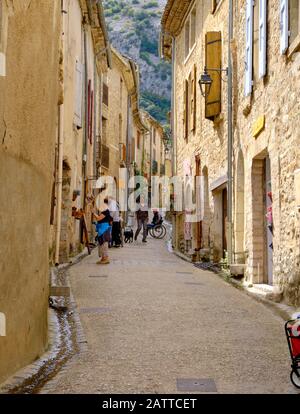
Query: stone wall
[[277, 98], [208, 141], [28, 122]]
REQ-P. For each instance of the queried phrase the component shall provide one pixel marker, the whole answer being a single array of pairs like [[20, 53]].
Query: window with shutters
[[213, 60], [121, 92], [120, 128], [294, 19], [190, 33], [105, 94], [256, 41], [186, 109], [78, 94], [104, 156], [138, 141], [193, 97], [256, 50], [289, 25], [104, 130], [249, 48]]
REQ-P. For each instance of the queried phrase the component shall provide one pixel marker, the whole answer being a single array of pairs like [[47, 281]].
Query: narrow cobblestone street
[[151, 318]]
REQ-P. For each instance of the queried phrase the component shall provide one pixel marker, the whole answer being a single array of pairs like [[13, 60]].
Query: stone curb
[[54, 341]]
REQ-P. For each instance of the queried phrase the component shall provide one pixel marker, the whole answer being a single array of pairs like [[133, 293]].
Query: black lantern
[[205, 83]]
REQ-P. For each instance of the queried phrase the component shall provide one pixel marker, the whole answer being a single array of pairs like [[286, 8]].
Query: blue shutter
[[262, 38], [284, 26], [249, 48]]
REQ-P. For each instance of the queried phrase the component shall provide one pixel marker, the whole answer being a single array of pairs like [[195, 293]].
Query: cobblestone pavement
[[150, 318]]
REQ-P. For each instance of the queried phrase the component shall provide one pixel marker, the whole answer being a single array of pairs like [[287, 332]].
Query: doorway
[[261, 253]]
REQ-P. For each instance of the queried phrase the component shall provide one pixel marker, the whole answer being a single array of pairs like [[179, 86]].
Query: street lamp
[[205, 81]]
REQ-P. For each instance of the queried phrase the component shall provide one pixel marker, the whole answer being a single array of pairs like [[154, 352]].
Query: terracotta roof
[[173, 15]]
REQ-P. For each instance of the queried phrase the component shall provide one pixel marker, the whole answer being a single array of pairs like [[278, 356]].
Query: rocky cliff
[[134, 27]]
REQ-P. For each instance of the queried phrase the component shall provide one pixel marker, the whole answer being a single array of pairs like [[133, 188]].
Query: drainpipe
[[230, 138], [174, 146], [128, 139], [60, 148], [86, 121]]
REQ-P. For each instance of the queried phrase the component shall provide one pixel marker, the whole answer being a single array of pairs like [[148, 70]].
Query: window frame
[[188, 42]]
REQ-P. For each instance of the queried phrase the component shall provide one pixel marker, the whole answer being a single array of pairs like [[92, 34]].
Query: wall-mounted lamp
[[205, 81]]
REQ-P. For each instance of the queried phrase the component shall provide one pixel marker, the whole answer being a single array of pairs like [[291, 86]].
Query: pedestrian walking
[[142, 217], [103, 228], [116, 226]]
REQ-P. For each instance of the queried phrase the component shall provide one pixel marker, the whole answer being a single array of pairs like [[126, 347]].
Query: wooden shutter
[[193, 80], [249, 48], [186, 109], [213, 59], [78, 94], [262, 38], [133, 150], [284, 26], [105, 156], [195, 99]]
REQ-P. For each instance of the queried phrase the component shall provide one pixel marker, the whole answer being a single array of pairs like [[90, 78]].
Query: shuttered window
[[78, 94], [249, 48], [213, 60], [104, 156], [262, 38], [193, 80], [186, 109], [294, 20], [195, 99], [284, 26]]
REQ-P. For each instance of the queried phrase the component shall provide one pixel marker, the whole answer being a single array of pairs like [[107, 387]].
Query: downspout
[[127, 151], [86, 121], [173, 108], [173, 100], [230, 139], [60, 148]]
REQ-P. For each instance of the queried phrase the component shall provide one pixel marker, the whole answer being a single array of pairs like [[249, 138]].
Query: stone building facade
[[85, 58], [266, 133], [125, 128], [28, 128]]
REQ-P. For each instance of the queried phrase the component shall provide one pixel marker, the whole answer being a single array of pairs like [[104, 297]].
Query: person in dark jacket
[[142, 217]]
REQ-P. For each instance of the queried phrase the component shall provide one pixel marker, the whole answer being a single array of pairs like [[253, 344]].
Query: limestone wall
[[28, 122]]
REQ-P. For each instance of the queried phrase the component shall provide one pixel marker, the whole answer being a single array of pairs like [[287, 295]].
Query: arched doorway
[[261, 251]]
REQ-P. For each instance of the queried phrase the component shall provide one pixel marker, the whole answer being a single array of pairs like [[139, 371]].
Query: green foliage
[[148, 45], [150, 5], [157, 106], [146, 57]]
